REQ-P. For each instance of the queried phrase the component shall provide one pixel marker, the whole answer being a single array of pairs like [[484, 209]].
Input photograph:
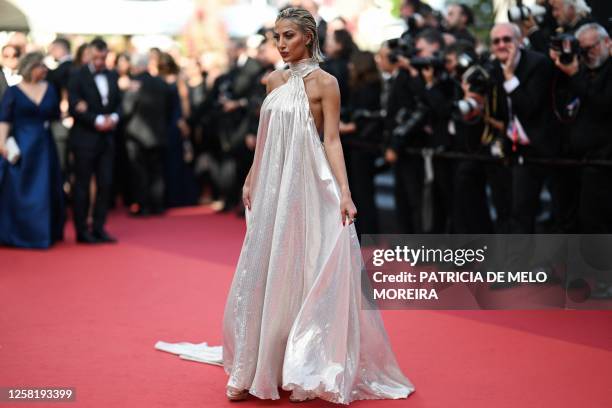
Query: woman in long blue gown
[[31, 200], [180, 181]]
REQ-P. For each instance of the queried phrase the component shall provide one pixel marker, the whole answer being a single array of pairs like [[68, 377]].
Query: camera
[[521, 12], [464, 61], [401, 47], [466, 108], [478, 78], [414, 121], [479, 81], [567, 46], [437, 62]]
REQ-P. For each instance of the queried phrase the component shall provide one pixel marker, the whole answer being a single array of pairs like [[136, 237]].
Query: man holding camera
[[522, 88], [470, 134], [420, 120], [589, 137], [568, 15]]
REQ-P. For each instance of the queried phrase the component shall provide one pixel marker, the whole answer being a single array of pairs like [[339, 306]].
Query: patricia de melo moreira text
[[459, 257]]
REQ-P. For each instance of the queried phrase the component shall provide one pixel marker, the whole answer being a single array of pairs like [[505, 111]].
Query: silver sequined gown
[[293, 317]]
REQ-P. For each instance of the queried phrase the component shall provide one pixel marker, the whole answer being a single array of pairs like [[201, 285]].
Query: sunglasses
[[588, 48], [505, 39]]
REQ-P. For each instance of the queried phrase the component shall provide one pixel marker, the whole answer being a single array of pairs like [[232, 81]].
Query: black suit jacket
[[239, 82], [531, 102], [147, 110], [60, 76], [3, 83], [590, 135], [82, 87]]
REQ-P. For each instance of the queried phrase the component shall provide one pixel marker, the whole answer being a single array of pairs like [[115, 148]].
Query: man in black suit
[[523, 87], [589, 133], [230, 101], [401, 103], [146, 110], [94, 104], [566, 16], [59, 77]]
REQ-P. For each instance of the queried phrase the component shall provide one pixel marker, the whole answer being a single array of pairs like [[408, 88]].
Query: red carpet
[[88, 317]]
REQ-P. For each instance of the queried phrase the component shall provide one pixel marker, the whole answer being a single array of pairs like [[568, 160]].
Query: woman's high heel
[[234, 394]]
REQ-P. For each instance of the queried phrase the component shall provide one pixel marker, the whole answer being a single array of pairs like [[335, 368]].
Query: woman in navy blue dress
[[31, 200], [180, 181]]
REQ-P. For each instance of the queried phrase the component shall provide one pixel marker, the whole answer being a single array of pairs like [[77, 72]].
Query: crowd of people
[[472, 131]]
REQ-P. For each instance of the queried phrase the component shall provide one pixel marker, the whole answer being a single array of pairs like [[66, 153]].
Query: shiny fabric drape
[[293, 317]]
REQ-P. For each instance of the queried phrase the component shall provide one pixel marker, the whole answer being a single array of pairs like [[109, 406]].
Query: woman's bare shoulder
[[327, 82], [275, 79]]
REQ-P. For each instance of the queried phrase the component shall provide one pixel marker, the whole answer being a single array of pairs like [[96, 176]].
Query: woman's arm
[[330, 102], [4, 130], [6, 117], [273, 80]]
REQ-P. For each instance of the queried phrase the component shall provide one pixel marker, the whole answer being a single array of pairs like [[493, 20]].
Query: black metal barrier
[[453, 155]]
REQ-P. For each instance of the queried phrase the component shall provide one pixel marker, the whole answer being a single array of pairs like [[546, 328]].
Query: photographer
[[535, 23], [469, 134], [413, 12], [522, 88], [457, 20], [421, 121], [571, 14], [407, 170], [590, 81], [362, 136]]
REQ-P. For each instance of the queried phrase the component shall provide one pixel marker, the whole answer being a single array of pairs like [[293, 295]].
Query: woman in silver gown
[[294, 317]]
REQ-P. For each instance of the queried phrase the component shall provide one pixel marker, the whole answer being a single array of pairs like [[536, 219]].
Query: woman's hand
[[246, 196], [3, 150], [348, 211]]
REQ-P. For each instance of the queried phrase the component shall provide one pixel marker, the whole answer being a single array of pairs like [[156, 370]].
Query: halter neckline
[[303, 67]]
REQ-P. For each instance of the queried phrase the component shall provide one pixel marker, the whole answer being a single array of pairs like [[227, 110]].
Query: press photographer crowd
[[479, 135]]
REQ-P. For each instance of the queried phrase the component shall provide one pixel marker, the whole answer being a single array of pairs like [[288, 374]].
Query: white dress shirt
[[12, 77], [515, 131], [102, 84]]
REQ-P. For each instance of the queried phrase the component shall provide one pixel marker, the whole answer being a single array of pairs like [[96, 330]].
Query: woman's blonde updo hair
[[307, 25]]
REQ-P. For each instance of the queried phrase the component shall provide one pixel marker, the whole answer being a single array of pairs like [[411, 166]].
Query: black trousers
[[362, 172], [442, 197], [499, 178], [527, 183], [243, 159], [595, 208], [470, 204], [565, 189], [147, 175], [409, 173], [93, 160]]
